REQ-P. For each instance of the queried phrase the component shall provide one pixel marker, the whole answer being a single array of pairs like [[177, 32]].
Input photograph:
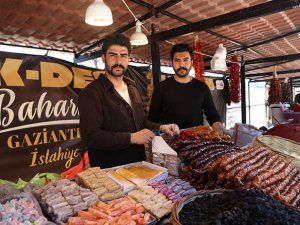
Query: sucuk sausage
[[244, 157], [292, 193], [278, 188], [252, 174], [294, 180], [232, 157], [266, 174], [279, 175], [239, 177], [252, 157], [213, 157], [196, 163]]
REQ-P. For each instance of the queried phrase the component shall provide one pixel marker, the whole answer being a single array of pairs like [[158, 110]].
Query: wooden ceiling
[[59, 25]]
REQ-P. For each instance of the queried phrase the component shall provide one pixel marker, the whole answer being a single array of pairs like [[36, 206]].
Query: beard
[[179, 72], [111, 70]]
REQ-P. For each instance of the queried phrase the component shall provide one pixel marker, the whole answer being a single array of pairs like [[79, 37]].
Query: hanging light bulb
[[98, 14], [138, 38]]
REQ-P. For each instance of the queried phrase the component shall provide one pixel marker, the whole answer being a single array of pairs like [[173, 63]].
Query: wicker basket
[[288, 149], [179, 205]]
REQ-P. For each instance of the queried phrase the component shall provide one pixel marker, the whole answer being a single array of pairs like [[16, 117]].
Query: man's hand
[[171, 129], [218, 128], [141, 137]]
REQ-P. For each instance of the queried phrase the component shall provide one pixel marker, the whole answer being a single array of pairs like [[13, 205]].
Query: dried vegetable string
[[275, 94], [198, 60], [234, 80]]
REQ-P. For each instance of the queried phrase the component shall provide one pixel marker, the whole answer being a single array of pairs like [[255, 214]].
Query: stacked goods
[[152, 200], [198, 155], [116, 212], [63, 198], [202, 132], [197, 148], [21, 209], [174, 189], [234, 207], [258, 168], [100, 183]]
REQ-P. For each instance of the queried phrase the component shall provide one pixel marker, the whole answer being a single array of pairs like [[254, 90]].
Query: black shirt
[[182, 103]]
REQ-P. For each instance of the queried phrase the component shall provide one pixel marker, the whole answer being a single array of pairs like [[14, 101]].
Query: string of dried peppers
[[198, 60], [234, 80]]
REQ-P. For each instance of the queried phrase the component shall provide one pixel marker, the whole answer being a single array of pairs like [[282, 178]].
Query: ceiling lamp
[[98, 14], [138, 38]]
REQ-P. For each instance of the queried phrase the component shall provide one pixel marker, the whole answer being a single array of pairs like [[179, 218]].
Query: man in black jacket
[[112, 119]]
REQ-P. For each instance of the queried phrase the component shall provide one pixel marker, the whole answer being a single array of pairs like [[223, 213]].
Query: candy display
[[61, 199], [153, 201], [173, 188], [117, 212], [236, 207], [21, 209], [100, 183]]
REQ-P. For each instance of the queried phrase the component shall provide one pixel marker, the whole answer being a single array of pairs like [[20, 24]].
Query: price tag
[[219, 84]]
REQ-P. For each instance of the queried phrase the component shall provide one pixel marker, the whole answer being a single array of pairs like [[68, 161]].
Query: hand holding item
[[218, 128], [141, 137], [171, 129]]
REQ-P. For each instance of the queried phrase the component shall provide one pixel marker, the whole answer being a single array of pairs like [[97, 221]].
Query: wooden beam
[[273, 59], [263, 9], [156, 73]]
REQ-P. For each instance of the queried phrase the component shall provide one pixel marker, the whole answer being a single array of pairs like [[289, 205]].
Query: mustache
[[181, 68], [118, 65]]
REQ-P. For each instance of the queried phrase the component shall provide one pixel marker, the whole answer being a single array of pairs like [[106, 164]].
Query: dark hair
[[297, 98], [182, 48], [116, 39]]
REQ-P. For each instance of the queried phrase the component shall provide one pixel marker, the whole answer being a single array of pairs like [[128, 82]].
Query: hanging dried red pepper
[[234, 80], [275, 94], [198, 60]]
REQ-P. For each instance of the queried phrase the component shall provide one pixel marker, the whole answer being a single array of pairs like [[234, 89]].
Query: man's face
[[182, 63], [116, 60]]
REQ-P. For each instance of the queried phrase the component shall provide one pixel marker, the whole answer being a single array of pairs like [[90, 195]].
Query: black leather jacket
[[106, 121]]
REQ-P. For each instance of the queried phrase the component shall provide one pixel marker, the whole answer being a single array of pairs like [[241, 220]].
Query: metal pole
[[249, 105], [243, 90]]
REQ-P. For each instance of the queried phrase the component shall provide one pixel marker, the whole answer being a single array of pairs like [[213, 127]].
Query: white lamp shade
[[98, 14], [138, 38]]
